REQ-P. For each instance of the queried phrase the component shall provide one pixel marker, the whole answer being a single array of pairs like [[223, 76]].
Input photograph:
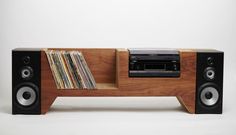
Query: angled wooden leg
[[188, 102], [46, 103]]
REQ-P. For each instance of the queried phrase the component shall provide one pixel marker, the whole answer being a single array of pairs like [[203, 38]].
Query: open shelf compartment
[[101, 62]]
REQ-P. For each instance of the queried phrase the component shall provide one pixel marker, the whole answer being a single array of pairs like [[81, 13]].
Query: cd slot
[[155, 66]]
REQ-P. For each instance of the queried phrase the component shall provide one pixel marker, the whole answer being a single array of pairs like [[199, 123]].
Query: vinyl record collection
[[70, 70]]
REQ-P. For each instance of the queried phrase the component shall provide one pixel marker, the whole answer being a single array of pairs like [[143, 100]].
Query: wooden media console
[[110, 69]]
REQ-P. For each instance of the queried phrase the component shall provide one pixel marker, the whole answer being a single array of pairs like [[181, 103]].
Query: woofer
[[209, 96], [26, 95]]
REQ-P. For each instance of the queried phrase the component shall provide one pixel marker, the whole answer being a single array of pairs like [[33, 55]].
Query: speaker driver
[[209, 73], [26, 96], [209, 96], [26, 72]]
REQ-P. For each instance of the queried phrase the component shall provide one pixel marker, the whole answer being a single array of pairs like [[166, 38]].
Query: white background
[[118, 24]]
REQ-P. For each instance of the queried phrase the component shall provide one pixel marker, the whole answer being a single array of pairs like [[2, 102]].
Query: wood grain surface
[[110, 70]]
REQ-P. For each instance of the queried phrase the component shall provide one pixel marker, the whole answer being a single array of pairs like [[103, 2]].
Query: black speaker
[[209, 82], [26, 81]]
